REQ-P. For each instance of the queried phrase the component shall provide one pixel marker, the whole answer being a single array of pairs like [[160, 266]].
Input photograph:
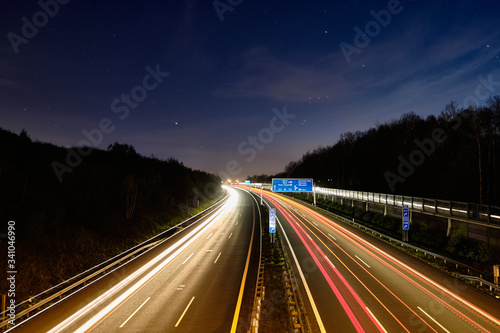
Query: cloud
[[413, 57], [264, 75], [6, 83]]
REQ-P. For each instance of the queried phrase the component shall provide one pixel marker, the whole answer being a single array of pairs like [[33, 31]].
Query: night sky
[[237, 85]]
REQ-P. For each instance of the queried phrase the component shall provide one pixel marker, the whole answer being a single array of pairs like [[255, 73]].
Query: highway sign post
[[272, 223], [406, 222], [261, 203]]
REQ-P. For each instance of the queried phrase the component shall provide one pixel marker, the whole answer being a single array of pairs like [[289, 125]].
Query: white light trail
[[182, 244]]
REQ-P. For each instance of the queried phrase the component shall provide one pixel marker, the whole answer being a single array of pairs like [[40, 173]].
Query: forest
[[452, 156], [109, 201]]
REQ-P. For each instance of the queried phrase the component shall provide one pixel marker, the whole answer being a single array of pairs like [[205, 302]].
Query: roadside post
[[496, 273], [406, 223], [272, 224], [261, 203], [314, 195]]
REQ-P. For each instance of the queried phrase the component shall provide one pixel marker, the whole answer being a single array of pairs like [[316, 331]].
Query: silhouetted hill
[[72, 212]]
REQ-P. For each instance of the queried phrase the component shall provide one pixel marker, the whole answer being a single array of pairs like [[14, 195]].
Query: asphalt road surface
[[354, 282], [200, 280]]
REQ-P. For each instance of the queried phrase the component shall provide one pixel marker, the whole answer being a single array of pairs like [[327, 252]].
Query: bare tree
[[494, 129], [476, 134], [132, 189]]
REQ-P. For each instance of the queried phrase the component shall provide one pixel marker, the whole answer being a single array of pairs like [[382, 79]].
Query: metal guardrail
[[50, 294], [444, 208], [50, 298], [259, 284], [481, 281]]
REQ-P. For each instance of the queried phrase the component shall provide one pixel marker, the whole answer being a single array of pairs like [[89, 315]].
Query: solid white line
[[185, 310], [378, 322], [230, 235], [188, 258], [363, 262], [217, 257], [134, 313], [434, 320], [306, 286], [333, 266], [210, 235]]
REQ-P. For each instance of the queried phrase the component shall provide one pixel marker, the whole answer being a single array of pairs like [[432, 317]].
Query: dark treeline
[[107, 202], [451, 156]]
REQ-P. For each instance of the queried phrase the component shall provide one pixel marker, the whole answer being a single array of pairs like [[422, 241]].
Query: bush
[[457, 241], [479, 253]]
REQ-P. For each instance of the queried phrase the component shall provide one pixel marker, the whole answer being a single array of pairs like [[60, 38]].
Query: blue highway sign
[[406, 218], [272, 220], [292, 185]]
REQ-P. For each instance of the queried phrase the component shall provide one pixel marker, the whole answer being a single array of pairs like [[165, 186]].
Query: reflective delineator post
[[496, 273], [314, 195]]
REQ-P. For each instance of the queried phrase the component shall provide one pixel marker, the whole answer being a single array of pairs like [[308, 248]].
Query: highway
[[350, 281], [200, 280]]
